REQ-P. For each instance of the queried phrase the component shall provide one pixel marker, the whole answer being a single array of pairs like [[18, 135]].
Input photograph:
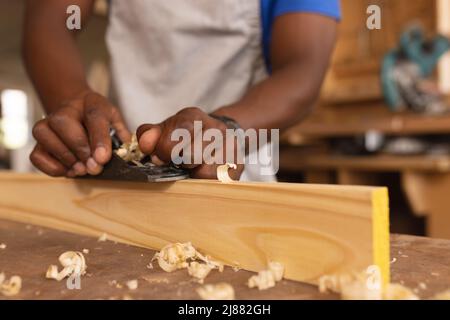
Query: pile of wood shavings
[[130, 151], [10, 287], [183, 256], [363, 286], [73, 263]]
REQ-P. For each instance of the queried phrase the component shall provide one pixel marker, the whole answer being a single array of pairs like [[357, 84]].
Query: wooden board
[[311, 229]]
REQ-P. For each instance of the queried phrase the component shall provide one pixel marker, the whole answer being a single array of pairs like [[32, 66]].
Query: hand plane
[[143, 171]]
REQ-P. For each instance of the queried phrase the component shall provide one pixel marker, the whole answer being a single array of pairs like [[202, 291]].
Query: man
[[244, 63]]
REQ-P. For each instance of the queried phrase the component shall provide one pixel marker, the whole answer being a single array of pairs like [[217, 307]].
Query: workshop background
[[378, 121]]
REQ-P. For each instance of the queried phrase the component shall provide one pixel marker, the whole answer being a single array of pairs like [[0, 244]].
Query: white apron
[[170, 54]]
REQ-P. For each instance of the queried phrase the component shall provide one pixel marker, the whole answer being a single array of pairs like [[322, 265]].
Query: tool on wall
[[406, 70]]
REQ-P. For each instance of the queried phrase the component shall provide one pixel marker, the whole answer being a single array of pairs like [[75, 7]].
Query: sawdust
[[85, 251], [219, 291], [155, 280], [2, 246], [74, 264], [10, 287]]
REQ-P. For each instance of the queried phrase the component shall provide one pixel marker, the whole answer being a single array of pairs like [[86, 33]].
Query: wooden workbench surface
[[31, 249]]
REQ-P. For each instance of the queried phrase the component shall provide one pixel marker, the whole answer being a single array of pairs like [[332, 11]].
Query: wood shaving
[[220, 291], [199, 270], [442, 296], [266, 279], [85, 251], [174, 256], [394, 291], [2, 246], [363, 286], [73, 263], [222, 172], [183, 255], [132, 284], [10, 287], [130, 152], [103, 237], [423, 285]]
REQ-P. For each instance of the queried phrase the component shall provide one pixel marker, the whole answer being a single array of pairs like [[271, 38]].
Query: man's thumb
[[148, 136]]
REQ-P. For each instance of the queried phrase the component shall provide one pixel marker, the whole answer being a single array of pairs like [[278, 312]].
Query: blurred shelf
[[329, 122], [296, 159]]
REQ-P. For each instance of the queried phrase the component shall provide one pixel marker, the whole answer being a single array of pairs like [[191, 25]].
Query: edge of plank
[[381, 245]]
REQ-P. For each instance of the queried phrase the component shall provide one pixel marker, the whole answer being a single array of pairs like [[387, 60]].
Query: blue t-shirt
[[271, 9]]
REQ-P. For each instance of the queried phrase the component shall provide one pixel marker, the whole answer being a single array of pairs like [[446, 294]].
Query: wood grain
[[311, 229]]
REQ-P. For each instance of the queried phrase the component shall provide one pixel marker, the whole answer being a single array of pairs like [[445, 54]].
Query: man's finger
[[42, 160], [119, 125], [68, 127], [98, 124], [148, 137], [52, 144]]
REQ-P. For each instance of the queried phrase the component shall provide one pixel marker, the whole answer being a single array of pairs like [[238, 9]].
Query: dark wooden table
[[420, 263]]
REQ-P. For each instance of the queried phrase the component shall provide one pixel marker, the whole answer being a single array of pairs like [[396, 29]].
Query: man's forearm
[[50, 52], [301, 47], [277, 102]]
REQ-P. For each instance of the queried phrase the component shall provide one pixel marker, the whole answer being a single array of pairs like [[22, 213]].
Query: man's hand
[[155, 140], [74, 140]]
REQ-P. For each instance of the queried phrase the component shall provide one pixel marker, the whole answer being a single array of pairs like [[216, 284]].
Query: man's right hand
[[75, 140]]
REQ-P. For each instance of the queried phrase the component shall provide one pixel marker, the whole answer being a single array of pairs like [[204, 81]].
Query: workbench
[[419, 263]]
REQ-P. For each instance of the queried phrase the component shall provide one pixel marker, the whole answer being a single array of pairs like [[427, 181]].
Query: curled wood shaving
[[183, 255], [266, 279], [10, 287], [363, 286], [220, 291], [222, 172], [132, 284], [130, 152], [174, 256], [73, 263], [199, 270]]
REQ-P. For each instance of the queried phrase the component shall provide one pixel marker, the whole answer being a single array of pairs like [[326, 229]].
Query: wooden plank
[[311, 229]]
